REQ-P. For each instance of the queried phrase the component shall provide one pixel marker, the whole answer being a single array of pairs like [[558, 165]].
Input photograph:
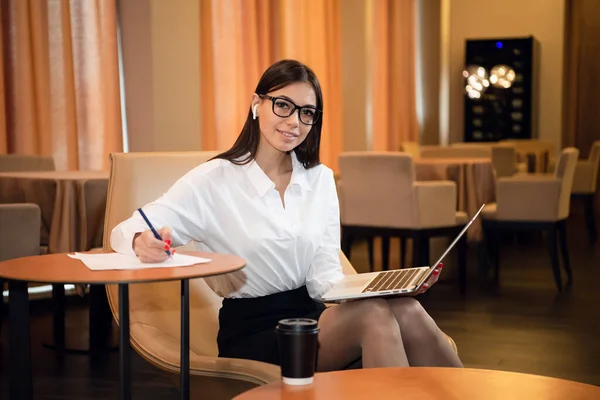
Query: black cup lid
[[297, 325]]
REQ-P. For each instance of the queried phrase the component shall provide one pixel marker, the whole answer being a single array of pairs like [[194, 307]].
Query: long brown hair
[[277, 76]]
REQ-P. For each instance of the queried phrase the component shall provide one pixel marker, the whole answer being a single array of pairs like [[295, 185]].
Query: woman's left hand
[[432, 279]]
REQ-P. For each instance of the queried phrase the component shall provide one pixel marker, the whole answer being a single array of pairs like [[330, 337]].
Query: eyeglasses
[[283, 107]]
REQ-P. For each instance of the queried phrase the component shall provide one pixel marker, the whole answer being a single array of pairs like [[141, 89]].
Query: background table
[[59, 268], [426, 383], [73, 204]]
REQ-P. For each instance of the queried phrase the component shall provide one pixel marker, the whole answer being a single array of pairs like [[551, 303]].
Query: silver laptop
[[388, 283]]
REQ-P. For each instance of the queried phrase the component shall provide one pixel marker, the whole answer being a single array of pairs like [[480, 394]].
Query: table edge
[[134, 282], [486, 371]]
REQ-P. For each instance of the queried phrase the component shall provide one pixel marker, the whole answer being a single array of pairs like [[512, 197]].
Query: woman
[[269, 200]]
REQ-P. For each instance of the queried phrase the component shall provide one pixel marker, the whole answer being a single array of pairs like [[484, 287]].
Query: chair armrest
[[583, 181], [162, 350], [19, 230], [528, 198], [436, 203]]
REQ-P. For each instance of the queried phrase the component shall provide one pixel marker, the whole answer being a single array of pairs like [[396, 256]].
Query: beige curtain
[[241, 38], [61, 84], [393, 79]]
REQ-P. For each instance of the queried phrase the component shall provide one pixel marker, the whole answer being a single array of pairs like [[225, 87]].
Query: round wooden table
[[62, 269], [426, 383]]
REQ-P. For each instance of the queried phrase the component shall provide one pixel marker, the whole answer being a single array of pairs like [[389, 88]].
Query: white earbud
[[254, 111]]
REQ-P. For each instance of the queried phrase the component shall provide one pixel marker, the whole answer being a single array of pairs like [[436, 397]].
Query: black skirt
[[247, 325]]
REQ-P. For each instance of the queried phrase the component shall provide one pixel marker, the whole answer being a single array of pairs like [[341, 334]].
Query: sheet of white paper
[[112, 261]]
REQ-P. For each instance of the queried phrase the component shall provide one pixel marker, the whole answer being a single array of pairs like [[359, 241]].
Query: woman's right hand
[[151, 250]]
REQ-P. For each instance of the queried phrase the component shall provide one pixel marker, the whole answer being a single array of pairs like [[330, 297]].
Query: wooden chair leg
[[416, 240], [590, 217], [492, 243], [421, 255], [562, 238], [483, 255], [370, 241], [402, 252], [553, 250], [496, 245], [385, 253]]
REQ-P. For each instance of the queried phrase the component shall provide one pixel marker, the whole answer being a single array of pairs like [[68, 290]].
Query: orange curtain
[[60, 92], [241, 38], [392, 76]]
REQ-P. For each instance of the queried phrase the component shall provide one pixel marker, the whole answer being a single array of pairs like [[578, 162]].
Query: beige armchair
[[379, 196], [584, 186], [19, 235], [504, 160], [135, 180], [18, 163], [534, 202]]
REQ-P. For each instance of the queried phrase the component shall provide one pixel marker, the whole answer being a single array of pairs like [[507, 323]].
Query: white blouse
[[226, 208]]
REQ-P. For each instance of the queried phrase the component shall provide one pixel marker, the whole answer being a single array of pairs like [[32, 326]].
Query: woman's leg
[[366, 328], [424, 342]]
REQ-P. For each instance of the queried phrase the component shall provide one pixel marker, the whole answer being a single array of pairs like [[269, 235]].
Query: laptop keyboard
[[391, 280]]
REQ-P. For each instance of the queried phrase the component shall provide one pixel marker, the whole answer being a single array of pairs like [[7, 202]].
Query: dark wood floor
[[522, 325]]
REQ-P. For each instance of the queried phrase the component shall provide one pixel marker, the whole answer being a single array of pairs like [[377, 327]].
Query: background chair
[[585, 184], [534, 202], [504, 160], [379, 196], [19, 235], [26, 163]]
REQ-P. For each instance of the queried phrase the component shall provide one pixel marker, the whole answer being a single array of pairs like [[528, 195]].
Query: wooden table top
[[426, 383], [60, 268]]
